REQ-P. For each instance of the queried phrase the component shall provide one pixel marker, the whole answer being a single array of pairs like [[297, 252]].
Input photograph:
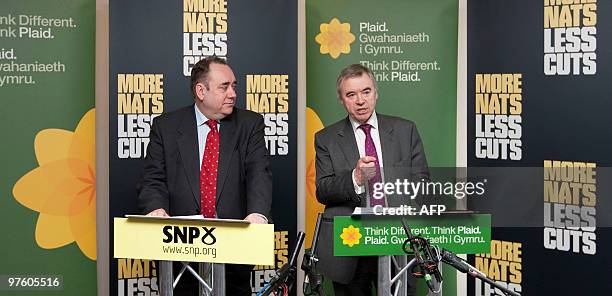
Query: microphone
[[312, 280], [296, 250], [454, 261], [285, 276], [429, 282], [288, 270], [315, 239]]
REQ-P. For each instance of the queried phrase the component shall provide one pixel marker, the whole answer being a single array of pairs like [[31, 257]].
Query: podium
[[212, 242], [366, 234]]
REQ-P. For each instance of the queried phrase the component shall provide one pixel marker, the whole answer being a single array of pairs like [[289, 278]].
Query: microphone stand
[[423, 259], [430, 258], [283, 281], [453, 260], [313, 282]]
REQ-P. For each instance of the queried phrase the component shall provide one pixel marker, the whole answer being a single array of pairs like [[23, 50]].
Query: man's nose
[[231, 91]]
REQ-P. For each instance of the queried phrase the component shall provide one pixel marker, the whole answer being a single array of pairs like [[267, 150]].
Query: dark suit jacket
[[336, 156], [171, 174]]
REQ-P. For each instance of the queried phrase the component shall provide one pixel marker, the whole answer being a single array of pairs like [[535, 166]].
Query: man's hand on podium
[[256, 218], [158, 213]]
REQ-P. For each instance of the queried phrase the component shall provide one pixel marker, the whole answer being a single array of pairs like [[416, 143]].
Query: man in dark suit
[[209, 158], [349, 157]]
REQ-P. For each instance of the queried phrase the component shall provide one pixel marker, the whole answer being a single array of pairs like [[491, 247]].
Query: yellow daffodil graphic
[[313, 207], [350, 236], [335, 38], [63, 187]]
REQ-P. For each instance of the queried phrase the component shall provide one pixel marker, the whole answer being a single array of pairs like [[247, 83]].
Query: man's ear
[[199, 91]]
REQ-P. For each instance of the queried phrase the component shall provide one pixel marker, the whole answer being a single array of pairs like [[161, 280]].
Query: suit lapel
[[348, 144], [187, 141], [227, 143], [387, 143]]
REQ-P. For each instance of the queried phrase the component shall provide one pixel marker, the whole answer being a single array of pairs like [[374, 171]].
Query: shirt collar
[[373, 121], [200, 118]]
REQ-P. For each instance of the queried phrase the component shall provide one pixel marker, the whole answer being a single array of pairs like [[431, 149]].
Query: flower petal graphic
[[335, 38], [53, 231], [350, 236], [63, 188], [313, 207], [83, 227], [52, 144], [51, 188], [84, 141]]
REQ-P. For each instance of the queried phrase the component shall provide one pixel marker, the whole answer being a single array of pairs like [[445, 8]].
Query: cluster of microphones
[[425, 264], [427, 260], [283, 280]]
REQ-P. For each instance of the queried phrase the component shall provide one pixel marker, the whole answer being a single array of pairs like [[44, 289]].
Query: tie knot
[[366, 128], [212, 124]]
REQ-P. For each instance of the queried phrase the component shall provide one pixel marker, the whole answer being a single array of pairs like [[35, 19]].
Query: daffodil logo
[[313, 207], [335, 38], [350, 236], [63, 187]]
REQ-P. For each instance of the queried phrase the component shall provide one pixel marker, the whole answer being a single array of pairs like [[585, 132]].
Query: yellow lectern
[[194, 239]]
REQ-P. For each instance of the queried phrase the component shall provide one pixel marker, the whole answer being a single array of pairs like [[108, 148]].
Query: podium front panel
[[194, 241], [382, 236]]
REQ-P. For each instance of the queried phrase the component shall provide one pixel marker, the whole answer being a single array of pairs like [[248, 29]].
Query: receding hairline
[[200, 71]]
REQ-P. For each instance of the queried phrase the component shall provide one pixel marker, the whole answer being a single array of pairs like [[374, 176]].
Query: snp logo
[[187, 234]]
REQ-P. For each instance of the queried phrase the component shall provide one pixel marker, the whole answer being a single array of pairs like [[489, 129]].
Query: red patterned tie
[[208, 172]]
